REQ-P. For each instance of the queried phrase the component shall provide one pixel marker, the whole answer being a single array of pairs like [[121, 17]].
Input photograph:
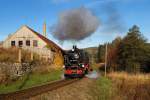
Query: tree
[[146, 62], [113, 54], [100, 54], [132, 51]]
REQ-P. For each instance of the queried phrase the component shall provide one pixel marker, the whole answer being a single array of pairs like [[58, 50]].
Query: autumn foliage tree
[[112, 56], [130, 54]]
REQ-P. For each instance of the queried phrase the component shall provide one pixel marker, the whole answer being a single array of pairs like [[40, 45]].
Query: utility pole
[[106, 59]]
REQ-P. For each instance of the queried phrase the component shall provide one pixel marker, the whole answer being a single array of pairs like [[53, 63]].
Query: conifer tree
[[132, 51]]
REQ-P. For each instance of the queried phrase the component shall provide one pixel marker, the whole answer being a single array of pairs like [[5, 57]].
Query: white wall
[[24, 34]]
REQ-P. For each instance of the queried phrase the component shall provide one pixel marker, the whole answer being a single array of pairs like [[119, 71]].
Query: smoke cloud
[[75, 25]]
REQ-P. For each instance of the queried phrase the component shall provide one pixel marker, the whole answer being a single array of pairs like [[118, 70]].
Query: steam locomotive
[[76, 63]]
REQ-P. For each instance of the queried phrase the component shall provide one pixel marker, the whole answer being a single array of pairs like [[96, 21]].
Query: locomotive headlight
[[76, 56], [82, 65], [72, 50]]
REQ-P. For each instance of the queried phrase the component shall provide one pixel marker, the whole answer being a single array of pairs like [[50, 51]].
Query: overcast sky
[[15, 13]]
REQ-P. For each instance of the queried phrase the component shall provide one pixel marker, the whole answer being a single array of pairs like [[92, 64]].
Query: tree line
[[130, 53]]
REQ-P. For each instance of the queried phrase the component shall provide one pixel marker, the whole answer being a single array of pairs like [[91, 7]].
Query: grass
[[121, 86], [10, 55], [102, 89], [131, 86], [30, 80]]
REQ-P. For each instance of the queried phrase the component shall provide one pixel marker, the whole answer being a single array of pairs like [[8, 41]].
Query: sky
[[33, 13]]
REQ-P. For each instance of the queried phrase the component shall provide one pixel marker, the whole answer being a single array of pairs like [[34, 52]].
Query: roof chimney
[[44, 29]]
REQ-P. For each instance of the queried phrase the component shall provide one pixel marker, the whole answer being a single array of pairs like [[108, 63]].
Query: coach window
[[28, 43], [35, 43], [20, 43], [12, 43]]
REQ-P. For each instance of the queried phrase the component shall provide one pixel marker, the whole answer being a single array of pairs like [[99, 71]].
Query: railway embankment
[[15, 75], [29, 80]]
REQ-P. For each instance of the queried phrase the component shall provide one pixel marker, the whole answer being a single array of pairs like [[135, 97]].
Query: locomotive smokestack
[[74, 46]]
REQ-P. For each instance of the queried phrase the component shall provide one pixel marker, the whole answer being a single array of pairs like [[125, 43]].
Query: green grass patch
[[30, 80], [102, 90]]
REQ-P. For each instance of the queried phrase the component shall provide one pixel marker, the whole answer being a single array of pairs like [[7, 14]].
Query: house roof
[[49, 42]]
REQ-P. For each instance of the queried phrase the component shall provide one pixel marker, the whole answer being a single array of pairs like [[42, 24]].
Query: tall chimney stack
[[44, 30]]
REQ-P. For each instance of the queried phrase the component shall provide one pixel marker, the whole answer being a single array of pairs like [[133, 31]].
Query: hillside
[[92, 51]]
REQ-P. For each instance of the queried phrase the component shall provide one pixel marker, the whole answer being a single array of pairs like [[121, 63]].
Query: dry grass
[[130, 86], [10, 55], [5, 55]]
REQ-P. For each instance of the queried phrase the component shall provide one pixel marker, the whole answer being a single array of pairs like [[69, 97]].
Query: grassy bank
[[30, 80]]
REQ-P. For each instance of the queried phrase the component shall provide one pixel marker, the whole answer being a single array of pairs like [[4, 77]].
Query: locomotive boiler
[[76, 63]]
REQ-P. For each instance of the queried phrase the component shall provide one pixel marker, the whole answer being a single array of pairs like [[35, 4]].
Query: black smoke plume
[[75, 25]]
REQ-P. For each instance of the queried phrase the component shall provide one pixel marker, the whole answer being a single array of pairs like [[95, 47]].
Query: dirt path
[[80, 90]]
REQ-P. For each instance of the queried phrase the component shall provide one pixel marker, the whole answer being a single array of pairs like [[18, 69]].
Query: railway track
[[27, 93]]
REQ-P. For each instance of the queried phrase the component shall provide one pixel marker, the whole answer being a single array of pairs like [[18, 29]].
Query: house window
[[20, 43], [35, 43], [12, 43], [28, 43]]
